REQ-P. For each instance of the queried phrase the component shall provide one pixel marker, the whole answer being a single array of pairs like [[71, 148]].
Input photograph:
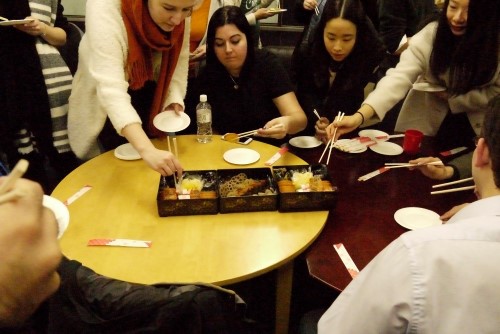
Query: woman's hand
[[35, 28], [309, 4], [263, 13], [175, 107], [198, 54], [346, 125], [435, 172], [321, 125], [275, 128], [164, 162]]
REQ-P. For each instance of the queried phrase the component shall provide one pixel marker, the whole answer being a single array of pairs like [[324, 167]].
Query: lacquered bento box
[[194, 194], [305, 188]]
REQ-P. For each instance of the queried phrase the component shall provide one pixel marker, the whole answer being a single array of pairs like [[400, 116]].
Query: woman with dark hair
[[458, 54], [345, 53], [247, 88]]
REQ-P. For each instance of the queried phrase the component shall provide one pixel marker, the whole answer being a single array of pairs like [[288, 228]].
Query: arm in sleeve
[[108, 50], [178, 85]]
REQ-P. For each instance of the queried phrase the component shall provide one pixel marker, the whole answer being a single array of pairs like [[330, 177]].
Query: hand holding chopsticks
[[6, 191], [329, 144]]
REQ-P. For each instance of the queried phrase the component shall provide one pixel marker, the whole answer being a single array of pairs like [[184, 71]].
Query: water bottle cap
[[203, 98]]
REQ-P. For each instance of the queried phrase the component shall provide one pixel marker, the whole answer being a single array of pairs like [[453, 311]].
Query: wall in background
[[74, 7]]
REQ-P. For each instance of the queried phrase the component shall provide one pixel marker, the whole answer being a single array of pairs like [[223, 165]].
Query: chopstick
[[316, 113], [6, 193], [252, 132], [452, 190], [453, 182], [402, 165], [340, 116]]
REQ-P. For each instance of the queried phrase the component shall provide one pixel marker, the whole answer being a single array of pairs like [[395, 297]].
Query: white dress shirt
[[439, 280]]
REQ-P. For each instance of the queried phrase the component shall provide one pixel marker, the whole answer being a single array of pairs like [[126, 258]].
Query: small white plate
[[126, 152], [60, 211], [305, 142], [345, 145], [15, 22], [387, 148], [373, 134], [241, 156], [428, 87], [414, 218], [169, 121]]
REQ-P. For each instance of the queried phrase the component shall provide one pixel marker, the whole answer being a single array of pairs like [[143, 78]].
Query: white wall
[[74, 7]]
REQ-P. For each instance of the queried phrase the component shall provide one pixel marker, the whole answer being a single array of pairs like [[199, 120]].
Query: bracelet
[[362, 117], [44, 33]]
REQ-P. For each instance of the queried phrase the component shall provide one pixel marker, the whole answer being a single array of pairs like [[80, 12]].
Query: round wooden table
[[220, 249]]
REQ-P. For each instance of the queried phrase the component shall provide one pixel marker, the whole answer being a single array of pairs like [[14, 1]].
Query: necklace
[[236, 86]]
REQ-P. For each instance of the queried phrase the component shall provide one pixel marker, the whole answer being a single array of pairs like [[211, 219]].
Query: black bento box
[[172, 202], [246, 190], [305, 188]]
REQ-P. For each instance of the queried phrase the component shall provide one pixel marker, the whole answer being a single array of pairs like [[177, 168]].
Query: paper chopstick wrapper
[[453, 151], [373, 174], [346, 260], [120, 243], [276, 156], [77, 195]]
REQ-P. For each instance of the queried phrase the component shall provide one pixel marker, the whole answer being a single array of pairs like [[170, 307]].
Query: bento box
[[246, 190], [305, 188], [196, 194]]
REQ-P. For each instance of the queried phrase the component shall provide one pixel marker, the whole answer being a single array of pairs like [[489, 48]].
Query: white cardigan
[[100, 84], [424, 110]]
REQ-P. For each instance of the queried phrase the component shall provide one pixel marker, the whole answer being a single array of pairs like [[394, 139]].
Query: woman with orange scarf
[[133, 63]]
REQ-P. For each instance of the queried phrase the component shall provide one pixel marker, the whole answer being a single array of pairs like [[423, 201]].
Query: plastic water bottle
[[204, 120]]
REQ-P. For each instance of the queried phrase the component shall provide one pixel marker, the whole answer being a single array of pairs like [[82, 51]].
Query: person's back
[[441, 279]]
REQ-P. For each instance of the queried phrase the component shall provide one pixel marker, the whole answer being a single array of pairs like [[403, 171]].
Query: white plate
[[60, 212], [428, 87], [126, 152], [387, 148], [414, 218], [373, 134], [340, 145], [169, 121], [15, 22], [241, 156], [305, 142]]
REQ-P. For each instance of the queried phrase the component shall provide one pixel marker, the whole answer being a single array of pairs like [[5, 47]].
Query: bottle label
[[203, 116]]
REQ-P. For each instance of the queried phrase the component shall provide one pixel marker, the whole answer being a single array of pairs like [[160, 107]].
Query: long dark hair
[[368, 43], [472, 59], [491, 134], [221, 17]]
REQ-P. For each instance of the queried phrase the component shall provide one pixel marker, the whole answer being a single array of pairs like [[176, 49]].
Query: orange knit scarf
[[144, 37]]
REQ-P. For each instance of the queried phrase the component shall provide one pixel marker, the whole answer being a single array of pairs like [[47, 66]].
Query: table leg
[[283, 297]]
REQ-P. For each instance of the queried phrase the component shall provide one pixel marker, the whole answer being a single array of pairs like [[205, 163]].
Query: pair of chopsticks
[[252, 132], [176, 153], [407, 165], [6, 192], [332, 141], [452, 189]]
